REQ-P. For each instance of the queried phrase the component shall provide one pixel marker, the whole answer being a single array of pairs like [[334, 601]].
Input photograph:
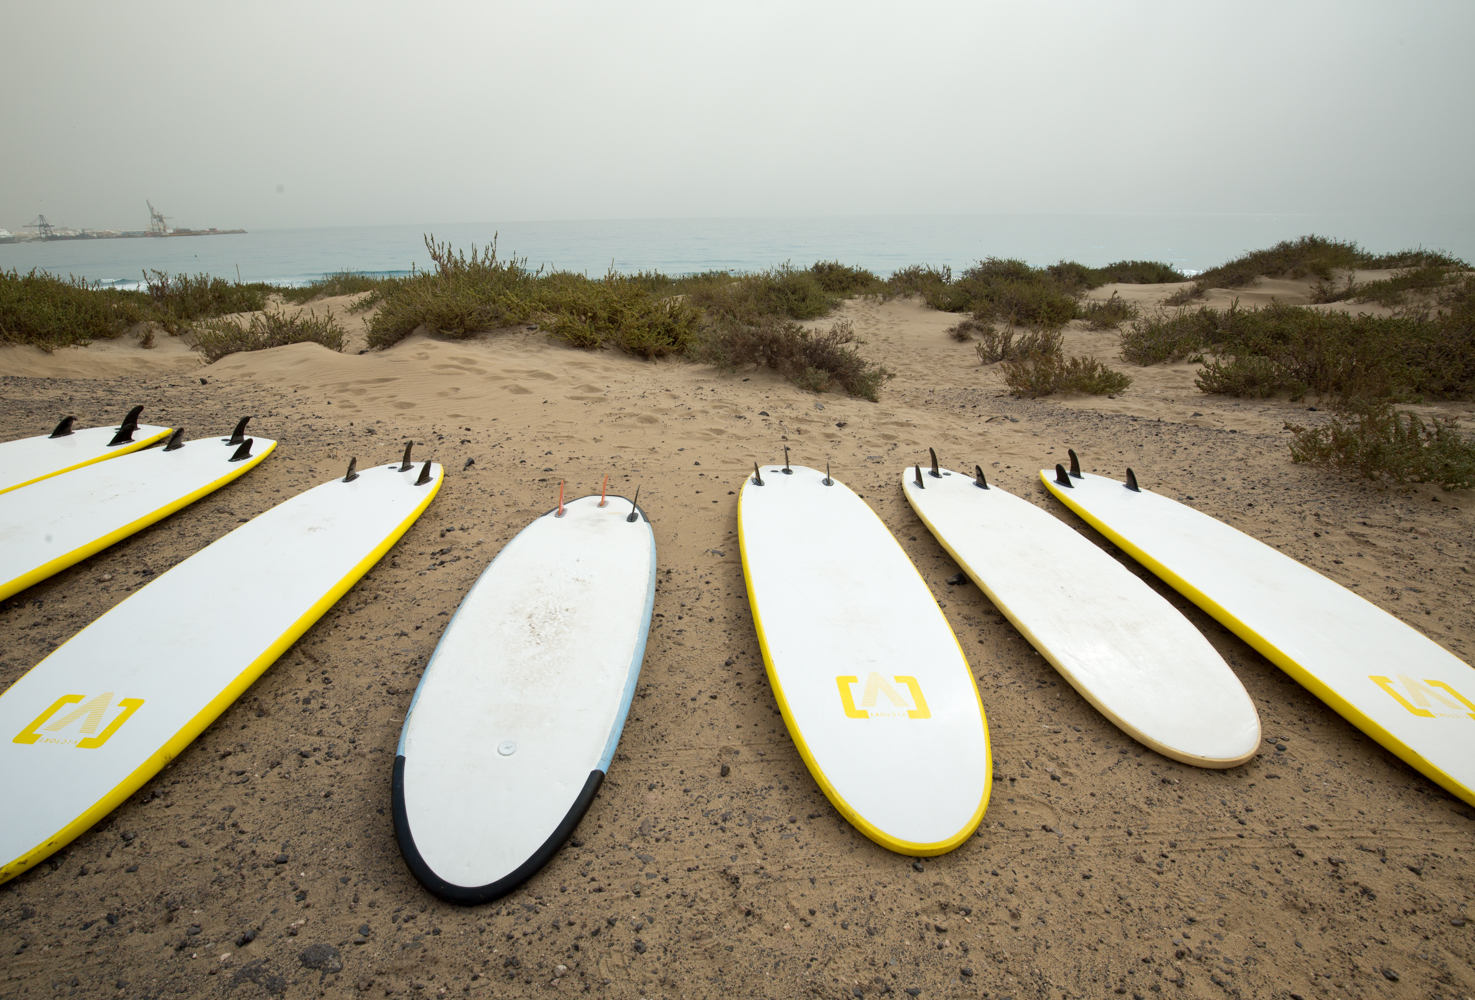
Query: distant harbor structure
[[41, 230]]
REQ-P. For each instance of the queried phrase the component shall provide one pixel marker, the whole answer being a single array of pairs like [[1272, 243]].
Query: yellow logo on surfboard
[[82, 727], [1427, 698], [882, 699]]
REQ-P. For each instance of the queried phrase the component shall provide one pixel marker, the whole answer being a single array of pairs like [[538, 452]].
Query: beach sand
[[1323, 868]]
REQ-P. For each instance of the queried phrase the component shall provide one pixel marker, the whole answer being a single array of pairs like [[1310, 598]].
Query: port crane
[[42, 226], [158, 224]]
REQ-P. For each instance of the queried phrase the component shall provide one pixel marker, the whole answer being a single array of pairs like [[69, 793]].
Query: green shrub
[[995, 345], [1378, 442], [814, 361], [217, 338], [179, 298], [922, 280], [1110, 314], [1136, 272], [338, 283], [1043, 374], [626, 313], [840, 279], [50, 312], [780, 291], [1174, 336]]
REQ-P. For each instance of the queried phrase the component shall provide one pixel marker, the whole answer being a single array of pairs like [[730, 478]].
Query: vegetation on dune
[[1308, 257], [1110, 314], [999, 345], [338, 283], [50, 312], [216, 338], [1043, 374], [811, 360], [1377, 441], [1294, 350], [179, 299]]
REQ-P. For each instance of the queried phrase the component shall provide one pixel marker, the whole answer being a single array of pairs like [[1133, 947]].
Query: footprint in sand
[[517, 390]]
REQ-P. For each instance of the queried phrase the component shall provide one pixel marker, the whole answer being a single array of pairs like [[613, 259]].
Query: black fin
[[980, 482], [176, 440], [827, 480], [757, 479], [787, 471], [130, 421], [239, 434], [920, 485], [935, 474], [124, 435], [1131, 483], [1062, 477], [635, 505], [64, 428], [244, 451], [424, 474], [405, 463], [352, 474], [1075, 463]]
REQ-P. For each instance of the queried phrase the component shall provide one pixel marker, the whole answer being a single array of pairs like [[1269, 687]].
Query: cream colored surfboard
[[869, 677], [88, 725], [31, 459], [517, 715], [61, 520], [1404, 690], [1125, 649]]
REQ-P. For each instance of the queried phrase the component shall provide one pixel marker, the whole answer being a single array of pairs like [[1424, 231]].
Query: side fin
[[64, 428], [1062, 477], [424, 474], [1131, 483], [405, 463], [243, 452], [1075, 464], [980, 482], [935, 473], [239, 434], [352, 474], [176, 440]]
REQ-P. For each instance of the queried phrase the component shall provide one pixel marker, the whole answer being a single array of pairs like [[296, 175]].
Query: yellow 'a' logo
[[89, 713], [877, 688], [1428, 698]]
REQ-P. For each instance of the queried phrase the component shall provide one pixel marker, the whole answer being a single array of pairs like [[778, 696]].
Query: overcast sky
[[288, 114]]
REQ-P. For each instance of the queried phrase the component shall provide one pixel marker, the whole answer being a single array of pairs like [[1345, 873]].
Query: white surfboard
[[1125, 649], [1401, 688], [88, 725], [59, 521], [31, 459], [868, 675], [515, 720]]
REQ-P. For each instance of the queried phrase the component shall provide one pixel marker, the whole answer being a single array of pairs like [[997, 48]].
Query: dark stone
[[245, 937], [1390, 975], [321, 956], [640, 947], [282, 859], [255, 971]]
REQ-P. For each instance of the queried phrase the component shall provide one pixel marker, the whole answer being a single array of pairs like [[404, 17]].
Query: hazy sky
[[284, 114]]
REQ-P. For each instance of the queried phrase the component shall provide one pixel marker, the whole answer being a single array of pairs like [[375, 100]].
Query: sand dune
[[1100, 867]]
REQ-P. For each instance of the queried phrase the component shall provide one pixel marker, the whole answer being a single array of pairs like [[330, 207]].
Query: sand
[[263, 862]]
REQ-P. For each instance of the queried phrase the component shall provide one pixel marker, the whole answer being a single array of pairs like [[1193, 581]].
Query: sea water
[[1191, 243]]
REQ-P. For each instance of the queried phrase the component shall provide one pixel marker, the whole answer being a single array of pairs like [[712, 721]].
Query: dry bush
[[1041, 375], [814, 361], [219, 337], [999, 345], [1378, 442]]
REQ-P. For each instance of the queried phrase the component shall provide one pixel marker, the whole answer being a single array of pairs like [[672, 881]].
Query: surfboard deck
[[869, 678], [516, 717], [1392, 682], [91, 723], [1112, 637], [61, 520], [32, 459]]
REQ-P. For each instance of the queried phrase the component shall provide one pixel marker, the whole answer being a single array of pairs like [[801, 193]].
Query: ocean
[[1191, 243]]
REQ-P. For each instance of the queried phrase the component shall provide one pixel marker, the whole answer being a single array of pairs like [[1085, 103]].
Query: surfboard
[[61, 520], [28, 460], [515, 720], [1112, 637], [1398, 686], [91, 723], [869, 678]]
